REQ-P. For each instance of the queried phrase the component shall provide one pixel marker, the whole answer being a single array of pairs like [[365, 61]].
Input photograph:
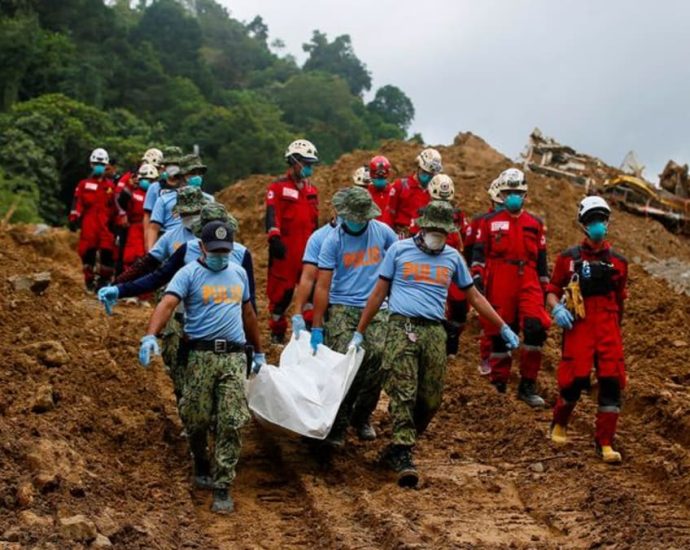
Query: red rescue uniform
[[131, 203], [292, 214], [380, 196], [596, 340], [405, 199], [510, 256]]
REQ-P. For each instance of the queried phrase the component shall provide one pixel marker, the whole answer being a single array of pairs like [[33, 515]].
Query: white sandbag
[[304, 393]]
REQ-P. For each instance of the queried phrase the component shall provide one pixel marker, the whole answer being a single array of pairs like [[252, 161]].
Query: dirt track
[[111, 448]]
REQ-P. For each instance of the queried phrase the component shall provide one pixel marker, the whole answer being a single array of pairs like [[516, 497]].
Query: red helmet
[[379, 167]]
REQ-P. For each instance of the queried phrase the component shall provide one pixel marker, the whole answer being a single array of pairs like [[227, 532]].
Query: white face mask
[[189, 221], [434, 240]]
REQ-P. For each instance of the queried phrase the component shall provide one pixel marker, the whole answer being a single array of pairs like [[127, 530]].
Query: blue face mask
[[217, 261], [164, 176], [354, 227], [514, 202], [597, 231], [195, 181], [379, 183], [144, 184], [98, 170], [498, 207], [306, 171], [425, 178]]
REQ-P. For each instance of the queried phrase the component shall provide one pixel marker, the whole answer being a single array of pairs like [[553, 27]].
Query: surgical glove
[[108, 296], [298, 325], [316, 338], [356, 341], [509, 337], [149, 345], [562, 316], [276, 248], [259, 361]]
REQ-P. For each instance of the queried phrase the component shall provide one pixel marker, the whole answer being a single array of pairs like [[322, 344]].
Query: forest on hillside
[[124, 75]]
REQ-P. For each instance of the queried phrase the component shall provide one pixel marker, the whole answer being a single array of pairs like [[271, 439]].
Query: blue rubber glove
[[316, 338], [357, 340], [149, 345], [298, 325], [108, 296], [259, 361], [509, 337], [562, 316]]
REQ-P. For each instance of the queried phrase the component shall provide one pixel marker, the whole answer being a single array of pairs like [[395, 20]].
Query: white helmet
[[512, 179], [361, 177], [495, 191], [99, 156], [153, 156], [441, 188], [429, 160], [148, 171], [302, 150], [590, 206]]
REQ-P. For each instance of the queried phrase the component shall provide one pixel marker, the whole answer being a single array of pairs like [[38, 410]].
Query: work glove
[[149, 345], [258, 362], [478, 283], [316, 338], [509, 337], [562, 316], [298, 325], [73, 222], [108, 296], [357, 340], [276, 247]]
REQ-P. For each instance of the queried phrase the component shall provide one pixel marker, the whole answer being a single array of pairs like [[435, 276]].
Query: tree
[[393, 106], [337, 58]]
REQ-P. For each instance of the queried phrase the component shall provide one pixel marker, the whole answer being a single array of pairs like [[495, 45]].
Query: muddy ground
[[84, 430]]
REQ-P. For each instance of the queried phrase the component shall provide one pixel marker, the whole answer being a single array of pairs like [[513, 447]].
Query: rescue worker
[[361, 178], [348, 263], [591, 339], [292, 215], [157, 158], [509, 258], [379, 188], [408, 194], [415, 275], [92, 211], [219, 320]]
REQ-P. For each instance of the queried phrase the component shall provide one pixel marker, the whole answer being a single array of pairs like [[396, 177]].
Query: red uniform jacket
[[380, 197], [405, 199], [93, 204], [290, 211]]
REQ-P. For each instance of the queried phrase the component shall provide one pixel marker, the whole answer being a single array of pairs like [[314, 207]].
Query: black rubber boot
[[278, 339], [500, 386], [365, 431], [222, 502], [399, 459], [202, 465], [452, 337], [527, 392]]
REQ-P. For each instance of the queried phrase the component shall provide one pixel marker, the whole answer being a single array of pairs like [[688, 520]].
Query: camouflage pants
[[413, 375], [172, 356], [215, 390], [364, 393]]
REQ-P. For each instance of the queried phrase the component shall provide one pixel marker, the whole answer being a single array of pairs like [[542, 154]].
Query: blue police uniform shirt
[[171, 241], [213, 301], [313, 248], [163, 214], [355, 261], [420, 281], [152, 194]]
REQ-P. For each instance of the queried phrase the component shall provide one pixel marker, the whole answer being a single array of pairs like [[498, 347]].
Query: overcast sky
[[604, 76]]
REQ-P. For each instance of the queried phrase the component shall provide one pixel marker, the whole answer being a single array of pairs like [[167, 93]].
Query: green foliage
[[21, 196], [393, 106]]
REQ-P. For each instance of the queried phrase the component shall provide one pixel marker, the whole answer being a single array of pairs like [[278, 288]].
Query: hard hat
[[429, 160], [495, 192], [148, 171], [512, 179], [591, 206], [360, 177], [302, 151], [153, 156], [379, 167], [99, 156], [441, 188]]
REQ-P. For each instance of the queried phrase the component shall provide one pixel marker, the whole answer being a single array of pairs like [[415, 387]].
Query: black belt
[[419, 321], [216, 346]]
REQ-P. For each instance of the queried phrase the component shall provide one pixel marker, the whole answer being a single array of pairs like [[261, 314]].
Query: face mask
[[195, 181], [189, 221], [217, 261], [144, 184], [597, 231], [513, 202], [434, 240], [164, 176], [498, 207], [98, 170], [306, 171], [425, 178], [379, 183], [354, 227]]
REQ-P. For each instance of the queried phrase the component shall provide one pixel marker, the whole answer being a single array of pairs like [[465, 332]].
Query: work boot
[[608, 455], [202, 473], [559, 435], [500, 386], [399, 459], [222, 501], [527, 392], [336, 437], [278, 339], [365, 431]]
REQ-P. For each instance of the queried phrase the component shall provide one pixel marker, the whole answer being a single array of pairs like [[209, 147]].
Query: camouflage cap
[[190, 200], [437, 215], [170, 152], [192, 162], [355, 204], [213, 212]]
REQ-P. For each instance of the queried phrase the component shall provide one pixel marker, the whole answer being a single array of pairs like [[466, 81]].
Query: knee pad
[[534, 332], [89, 257], [609, 392], [107, 257], [572, 393]]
